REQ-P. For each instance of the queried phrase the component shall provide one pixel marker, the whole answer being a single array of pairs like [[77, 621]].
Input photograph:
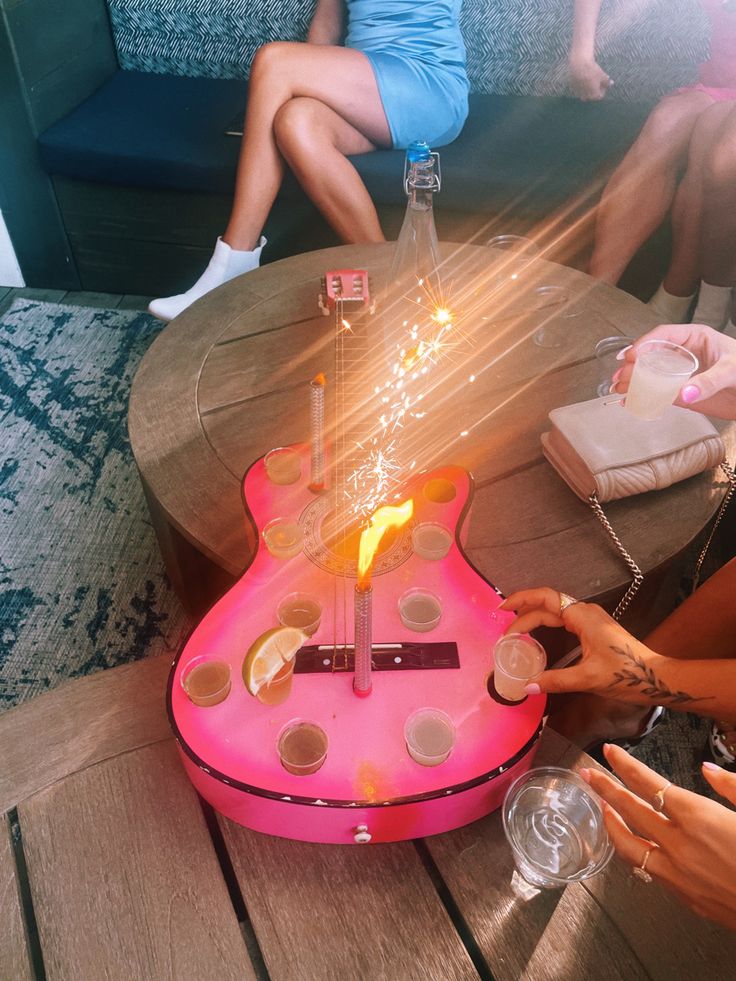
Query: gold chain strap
[[638, 575]]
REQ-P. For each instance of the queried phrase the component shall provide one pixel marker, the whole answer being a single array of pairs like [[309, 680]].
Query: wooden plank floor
[[105, 301]]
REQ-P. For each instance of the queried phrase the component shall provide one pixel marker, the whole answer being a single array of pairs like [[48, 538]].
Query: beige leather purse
[[604, 453]]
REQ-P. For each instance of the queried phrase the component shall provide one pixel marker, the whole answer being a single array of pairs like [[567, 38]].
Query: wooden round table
[[228, 380]]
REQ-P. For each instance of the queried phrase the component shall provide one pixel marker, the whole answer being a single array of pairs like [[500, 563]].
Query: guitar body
[[369, 788]]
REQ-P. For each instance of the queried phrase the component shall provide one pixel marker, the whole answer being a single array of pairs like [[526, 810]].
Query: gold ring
[[640, 871], [566, 601], [658, 802]]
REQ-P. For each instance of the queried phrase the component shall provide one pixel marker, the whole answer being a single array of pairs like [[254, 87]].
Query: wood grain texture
[[558, 934], [80, 723], [14, 960], [230, 378], [125, 880], [667, 938], [326, 913]]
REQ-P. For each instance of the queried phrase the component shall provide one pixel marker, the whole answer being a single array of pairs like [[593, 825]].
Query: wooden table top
[[111, 867], [228, 380]]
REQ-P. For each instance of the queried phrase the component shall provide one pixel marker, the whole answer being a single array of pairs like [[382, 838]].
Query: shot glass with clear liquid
[[300, 610], [660, 370], [554, 824], [283, 538]]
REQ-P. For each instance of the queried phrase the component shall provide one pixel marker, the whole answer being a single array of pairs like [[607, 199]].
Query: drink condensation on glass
[[660, 370], [554, 824], [300, 610], [284, 538], [430, 736], [517, 660]]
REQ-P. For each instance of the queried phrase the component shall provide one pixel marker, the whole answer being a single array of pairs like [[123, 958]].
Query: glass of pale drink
[[300, 610], [660, 370], [554, 824], [517, 660], [429, 735]]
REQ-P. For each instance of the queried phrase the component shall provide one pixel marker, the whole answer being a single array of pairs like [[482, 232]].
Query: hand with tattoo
[[613, 664]]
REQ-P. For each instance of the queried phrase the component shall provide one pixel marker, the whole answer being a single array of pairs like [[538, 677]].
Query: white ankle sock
[[672, 309], [225, 264], [713, 306]]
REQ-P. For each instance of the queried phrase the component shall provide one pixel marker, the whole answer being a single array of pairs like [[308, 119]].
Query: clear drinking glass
[[554, 310], [206, 681], [660, 370], [431, 540], [284, 538], [606, 351], [283, 465], [302, 748], [554, 824]]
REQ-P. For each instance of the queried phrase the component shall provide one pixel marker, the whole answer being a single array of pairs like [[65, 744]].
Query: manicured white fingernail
[[622, 353], [533, 689], [711, 766]]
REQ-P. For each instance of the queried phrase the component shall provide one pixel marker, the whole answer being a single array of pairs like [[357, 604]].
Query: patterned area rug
[[82, 585]]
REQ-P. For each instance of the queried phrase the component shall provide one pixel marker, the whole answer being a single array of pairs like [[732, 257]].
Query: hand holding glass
[[660, 370], [554, 824]]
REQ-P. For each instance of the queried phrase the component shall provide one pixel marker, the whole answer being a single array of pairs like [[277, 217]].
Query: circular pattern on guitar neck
[[336, 551]]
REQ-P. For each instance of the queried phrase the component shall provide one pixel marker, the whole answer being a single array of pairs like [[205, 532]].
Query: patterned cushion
[[514, 46]]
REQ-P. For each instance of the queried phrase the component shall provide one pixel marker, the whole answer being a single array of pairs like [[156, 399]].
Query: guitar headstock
[[346, 287]]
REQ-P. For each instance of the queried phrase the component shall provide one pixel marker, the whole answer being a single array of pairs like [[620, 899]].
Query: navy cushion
[[166, 131]]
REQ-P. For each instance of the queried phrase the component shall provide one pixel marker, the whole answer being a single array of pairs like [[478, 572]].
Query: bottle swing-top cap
[[421, 167]]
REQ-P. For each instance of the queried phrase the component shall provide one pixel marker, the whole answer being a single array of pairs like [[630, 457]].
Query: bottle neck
[[420, 184]]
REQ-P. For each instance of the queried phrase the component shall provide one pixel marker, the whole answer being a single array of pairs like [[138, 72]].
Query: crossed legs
[[309, 105]]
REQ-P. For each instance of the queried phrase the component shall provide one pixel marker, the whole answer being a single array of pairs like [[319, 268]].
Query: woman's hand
[[692, 840], [613, 663], [713, 389], [587, 79]]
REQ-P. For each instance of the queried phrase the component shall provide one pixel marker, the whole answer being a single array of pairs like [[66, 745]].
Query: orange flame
[[384, 518], [319, 380]]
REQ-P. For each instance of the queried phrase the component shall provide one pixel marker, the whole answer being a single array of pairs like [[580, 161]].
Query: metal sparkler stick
[[362, 683]]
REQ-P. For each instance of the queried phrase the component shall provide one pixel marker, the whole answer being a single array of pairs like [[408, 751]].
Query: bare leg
[[314, 141], [685, 269], [640, 192], [718, 241], [340, 78]]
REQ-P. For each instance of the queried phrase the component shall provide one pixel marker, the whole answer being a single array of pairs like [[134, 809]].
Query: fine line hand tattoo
[[640, 675]]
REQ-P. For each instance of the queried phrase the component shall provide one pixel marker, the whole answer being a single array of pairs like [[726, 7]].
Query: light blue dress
[[418, 56]]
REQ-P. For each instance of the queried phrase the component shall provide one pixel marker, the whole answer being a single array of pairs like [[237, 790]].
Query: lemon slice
[[268, 654]]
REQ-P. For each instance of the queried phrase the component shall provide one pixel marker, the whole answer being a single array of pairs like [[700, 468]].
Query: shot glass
[[554, 824], [430, 735], [660, 370], [300, 610], [431, 540], [283, 465], [284, 538], [605, 353], [554, 310], [302, 748], [278, 689], [517, 660], [206, 681], [420, 610]]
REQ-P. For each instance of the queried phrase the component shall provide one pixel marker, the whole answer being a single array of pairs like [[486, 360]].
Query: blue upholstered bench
[[142, 168]]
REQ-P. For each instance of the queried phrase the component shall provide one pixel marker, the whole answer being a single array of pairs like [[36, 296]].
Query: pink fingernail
[[711, 766], [585, 774], [533, 689], [690, 393], [622, 353], [616, 375]]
